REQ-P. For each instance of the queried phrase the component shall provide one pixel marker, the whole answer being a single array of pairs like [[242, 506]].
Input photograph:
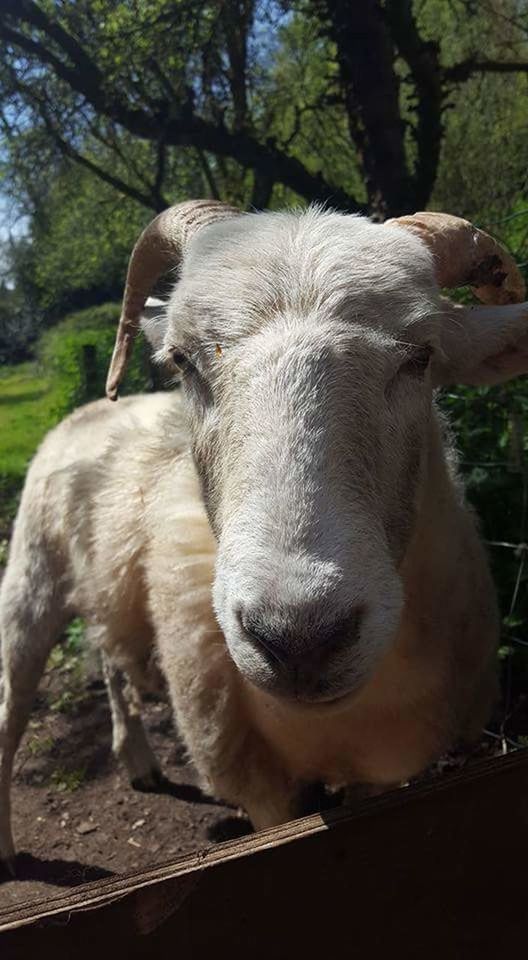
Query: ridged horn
[[159, 248], [465, 255]]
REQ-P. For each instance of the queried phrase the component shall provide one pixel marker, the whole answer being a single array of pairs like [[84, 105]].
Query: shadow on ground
[[60, 873]]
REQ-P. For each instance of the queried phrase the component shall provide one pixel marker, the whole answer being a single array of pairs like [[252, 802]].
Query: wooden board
[[430, 871]]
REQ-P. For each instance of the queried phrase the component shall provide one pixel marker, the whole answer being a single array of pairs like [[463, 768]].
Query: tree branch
[[182, 126], [464, 70], [114, 146], [87, 84], [153, 201], [29, 12]]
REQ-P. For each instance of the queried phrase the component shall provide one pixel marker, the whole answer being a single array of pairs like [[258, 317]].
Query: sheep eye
[[180, 360], [417, 364]]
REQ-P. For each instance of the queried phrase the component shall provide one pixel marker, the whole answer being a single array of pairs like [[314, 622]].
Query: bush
[[490, 428], [76, 354]]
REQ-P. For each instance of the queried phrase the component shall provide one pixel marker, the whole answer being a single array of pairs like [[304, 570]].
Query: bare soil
[[76, 817]]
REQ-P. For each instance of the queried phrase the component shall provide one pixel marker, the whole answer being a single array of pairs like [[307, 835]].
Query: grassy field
[[26, 413]]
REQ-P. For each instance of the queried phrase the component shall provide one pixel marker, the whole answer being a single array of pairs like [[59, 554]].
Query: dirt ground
[[75, 816]]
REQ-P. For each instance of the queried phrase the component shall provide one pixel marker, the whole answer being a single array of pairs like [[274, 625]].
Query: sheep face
[[304, 341]]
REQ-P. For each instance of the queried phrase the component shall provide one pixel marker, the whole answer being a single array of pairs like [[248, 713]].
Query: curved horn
[[466, 255], [159, 247]]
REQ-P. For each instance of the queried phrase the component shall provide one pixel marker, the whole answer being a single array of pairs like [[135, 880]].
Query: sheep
[[284, 543]]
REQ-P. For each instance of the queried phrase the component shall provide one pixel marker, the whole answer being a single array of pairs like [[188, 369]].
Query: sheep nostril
[[264, 636], [292, 638]]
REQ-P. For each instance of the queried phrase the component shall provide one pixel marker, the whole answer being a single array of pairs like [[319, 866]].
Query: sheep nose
[[288, 641]]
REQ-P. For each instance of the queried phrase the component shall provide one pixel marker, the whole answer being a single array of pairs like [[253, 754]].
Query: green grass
[[26, 414]]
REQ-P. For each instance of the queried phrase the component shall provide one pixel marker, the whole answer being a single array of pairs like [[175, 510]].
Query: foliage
[[20, 315], [67, 780], [38, 745], [335, 101], [490, 427], [66, 656], [73, 361], [298, 102], [74, 635], [483, 173], [16, 325], [82, 239], [77, 353], [82, 234], [68, 660]]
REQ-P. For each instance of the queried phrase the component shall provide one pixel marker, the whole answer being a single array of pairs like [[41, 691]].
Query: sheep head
[[309, 344]]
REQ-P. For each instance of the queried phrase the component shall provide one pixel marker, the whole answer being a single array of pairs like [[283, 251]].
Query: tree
[[82, 231], [206, 76], [17, 327]]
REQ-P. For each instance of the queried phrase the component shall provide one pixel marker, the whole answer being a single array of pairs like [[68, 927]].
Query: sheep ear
[[154, 322], [483, 346]]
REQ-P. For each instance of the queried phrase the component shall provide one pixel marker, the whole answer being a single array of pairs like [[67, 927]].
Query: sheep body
[[114, 495]]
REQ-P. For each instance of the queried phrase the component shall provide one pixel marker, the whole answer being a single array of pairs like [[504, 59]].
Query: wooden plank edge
[[101, 892]]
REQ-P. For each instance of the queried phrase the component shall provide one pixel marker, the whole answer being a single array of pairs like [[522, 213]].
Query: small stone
[[86, 827]]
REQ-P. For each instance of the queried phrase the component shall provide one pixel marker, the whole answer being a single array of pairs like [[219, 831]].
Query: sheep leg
[[272, 808], [254, 781], [129, 740], [32, 615]]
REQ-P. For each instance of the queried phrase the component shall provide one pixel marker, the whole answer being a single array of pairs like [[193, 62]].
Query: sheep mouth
[[311, 693], [330, 700]]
